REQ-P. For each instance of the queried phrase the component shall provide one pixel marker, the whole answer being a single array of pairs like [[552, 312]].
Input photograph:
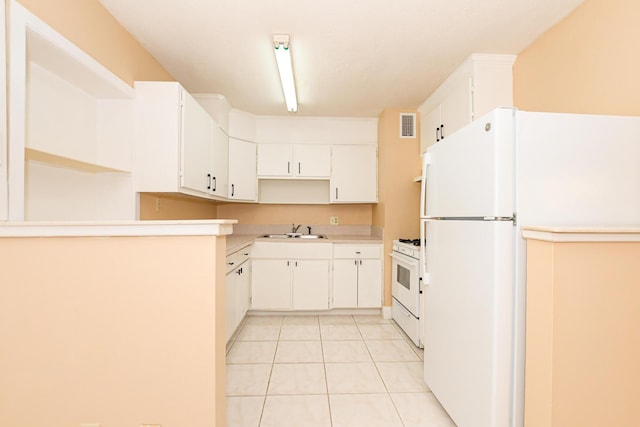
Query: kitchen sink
[[292, 236]]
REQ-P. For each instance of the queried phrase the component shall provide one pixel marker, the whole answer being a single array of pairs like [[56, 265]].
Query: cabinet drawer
[[293, 250], [237, 258], [357, 251]]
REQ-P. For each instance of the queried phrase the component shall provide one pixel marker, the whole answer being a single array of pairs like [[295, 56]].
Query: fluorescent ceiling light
[[282, 50]]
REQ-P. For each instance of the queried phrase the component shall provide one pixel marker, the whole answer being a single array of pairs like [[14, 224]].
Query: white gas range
[[405, 287]]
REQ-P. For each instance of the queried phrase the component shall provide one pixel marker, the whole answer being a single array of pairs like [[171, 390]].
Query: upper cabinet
[[178, 146], [480, 84], [242, 170], [294, 161], [274, 160], [220, 162], [195, 145], [72, 128], [354, 174]]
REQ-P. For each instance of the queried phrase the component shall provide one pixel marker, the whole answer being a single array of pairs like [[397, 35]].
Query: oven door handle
[[405, 259]]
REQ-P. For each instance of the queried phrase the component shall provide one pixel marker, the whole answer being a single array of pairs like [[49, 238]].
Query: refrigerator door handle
[[426, 161]]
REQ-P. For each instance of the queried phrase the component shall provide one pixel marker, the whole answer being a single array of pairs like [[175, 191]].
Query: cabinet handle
[[357, 252], [215, 184], [360, 262], [233, 190], [208, 181], [441, 131], [299, 168], [355, 262], [288, 264], [288, 167], [438, 134], [296, 263], [239, 272], [230, 263], [336, 193]]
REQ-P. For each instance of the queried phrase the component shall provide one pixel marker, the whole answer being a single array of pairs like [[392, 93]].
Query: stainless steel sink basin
[[293, 236]]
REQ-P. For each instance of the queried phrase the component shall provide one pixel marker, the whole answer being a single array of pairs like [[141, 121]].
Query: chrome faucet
[[294, 228]]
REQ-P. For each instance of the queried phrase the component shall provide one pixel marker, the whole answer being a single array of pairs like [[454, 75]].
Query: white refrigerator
[[506, 170]]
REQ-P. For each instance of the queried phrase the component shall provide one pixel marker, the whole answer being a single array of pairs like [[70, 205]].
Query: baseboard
[[386, 312]]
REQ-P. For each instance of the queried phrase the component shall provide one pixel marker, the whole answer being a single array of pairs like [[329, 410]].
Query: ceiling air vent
[[407, 125]]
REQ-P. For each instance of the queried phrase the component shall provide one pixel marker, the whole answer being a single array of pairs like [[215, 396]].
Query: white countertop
[[219, 227], [236, 242], [582, 234]]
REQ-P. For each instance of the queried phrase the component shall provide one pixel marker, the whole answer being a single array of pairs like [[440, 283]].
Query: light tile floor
[[340, 371]]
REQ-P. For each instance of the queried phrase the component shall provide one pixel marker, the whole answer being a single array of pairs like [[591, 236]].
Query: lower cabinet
[[238, 290], [271, 284], [315, 276], [290, 284], [290, 276], [357, 276], [310, 284]]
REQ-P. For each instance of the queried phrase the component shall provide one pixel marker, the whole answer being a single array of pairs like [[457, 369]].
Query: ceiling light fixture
[[282, 49]]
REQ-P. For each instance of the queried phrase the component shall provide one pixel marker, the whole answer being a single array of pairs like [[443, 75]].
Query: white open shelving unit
[[70, 150]]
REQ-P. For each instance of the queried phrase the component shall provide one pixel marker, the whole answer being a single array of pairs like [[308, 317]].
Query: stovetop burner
[[414, 242]]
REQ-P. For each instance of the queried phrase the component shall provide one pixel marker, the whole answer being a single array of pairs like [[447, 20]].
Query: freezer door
[[471, 172], [469, 320]]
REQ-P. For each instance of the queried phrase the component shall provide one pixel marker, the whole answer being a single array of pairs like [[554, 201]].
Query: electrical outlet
[[333, 220], [157, 204]]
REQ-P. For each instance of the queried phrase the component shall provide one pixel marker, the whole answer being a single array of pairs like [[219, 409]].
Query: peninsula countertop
[[219, 227]]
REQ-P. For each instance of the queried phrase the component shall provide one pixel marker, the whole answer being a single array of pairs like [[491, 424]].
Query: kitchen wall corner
[[587, 63], [397, 209]]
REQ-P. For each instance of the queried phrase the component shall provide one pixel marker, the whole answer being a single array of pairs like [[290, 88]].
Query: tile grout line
[[266, 392], [324, 367]]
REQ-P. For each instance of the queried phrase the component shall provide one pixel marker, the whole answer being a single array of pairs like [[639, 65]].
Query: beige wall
[[583, 340], [399, 197], [120, 331], [88, 25], [358, 214], [160, 207], [588, 63]]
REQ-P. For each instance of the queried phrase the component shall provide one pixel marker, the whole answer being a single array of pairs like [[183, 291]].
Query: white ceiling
[[350, 57]]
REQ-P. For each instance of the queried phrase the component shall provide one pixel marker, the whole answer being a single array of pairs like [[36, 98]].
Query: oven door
[[405, 283]]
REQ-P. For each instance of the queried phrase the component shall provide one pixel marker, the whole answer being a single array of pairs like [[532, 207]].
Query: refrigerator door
[[468, 297], [471, 172]]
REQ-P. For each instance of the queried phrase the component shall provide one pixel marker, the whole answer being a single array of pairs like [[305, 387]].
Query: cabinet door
[[312, 161], [344, 286], [244, 291], [275, 160], [197, 127], [354, 174], [311, 284], [242, 170], [457, 108], [231, 302], [271, 284], [370, 283], [430, 128], [219, 162]]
